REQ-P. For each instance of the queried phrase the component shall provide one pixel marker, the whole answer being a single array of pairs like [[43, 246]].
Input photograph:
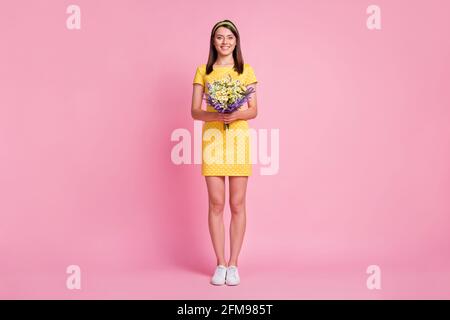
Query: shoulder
[[248, 67], [202, 68]]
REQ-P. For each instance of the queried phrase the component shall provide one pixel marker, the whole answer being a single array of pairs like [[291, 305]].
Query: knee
[[237, 206], [216, 206]]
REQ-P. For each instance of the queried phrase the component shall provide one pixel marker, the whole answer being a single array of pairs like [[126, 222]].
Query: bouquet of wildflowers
[[227, 95]]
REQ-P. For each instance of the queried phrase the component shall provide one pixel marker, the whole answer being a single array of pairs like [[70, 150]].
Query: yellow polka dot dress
[[225, 152]]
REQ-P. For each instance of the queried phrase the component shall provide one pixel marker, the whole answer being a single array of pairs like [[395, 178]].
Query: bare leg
[[216, 195], [238, 188]]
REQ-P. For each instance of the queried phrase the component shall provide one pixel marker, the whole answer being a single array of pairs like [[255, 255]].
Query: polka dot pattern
[[217, 158]]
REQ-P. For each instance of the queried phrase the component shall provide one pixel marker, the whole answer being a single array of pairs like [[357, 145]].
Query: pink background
[[86, 176]]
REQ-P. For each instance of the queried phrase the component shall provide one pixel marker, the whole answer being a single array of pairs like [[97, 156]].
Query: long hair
[[237, 54]]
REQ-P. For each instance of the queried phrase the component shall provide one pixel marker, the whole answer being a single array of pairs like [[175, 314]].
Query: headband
[[224, 23]]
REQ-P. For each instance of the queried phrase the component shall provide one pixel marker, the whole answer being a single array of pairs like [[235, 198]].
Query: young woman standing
[[225, 59]]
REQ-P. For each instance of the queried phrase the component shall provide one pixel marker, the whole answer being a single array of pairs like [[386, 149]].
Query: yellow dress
[[217, 159]]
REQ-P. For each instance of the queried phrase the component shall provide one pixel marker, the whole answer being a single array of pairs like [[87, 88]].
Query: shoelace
[[232, 271], [219, 271]]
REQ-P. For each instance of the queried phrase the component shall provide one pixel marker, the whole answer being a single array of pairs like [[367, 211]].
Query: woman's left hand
[[230, 117]]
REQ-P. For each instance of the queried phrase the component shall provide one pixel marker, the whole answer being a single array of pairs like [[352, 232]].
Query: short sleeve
[[250, 77], [198, 78]]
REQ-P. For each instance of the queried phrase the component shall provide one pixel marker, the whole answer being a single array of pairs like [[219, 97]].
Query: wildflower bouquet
[[227, 95]]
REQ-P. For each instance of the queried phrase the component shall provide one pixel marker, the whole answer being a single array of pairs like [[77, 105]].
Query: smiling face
[[224, 41]]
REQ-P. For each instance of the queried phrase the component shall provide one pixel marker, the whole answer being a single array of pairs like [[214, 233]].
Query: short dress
[[217, 159]]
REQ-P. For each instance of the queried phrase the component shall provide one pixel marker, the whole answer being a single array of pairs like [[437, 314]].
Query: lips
[[225, 47]]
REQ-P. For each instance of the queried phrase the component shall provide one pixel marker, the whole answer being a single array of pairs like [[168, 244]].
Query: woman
[[225, 58]]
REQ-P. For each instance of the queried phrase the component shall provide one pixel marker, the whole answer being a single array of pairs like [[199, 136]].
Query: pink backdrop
[[86, 118]]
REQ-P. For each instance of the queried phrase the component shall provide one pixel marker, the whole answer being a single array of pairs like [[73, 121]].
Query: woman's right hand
[[220, 116]]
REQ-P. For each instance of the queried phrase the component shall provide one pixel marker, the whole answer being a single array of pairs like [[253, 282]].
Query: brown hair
[[237, 54]]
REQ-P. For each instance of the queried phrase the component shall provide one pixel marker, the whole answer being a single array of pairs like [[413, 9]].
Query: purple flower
[[239, 102]]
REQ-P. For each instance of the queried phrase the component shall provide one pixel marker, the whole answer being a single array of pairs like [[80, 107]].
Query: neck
[[227, 60]]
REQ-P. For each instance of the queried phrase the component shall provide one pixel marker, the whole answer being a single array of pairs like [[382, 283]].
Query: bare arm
[[196, 109]]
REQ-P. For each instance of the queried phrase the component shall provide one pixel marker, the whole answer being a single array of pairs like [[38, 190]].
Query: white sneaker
[[232, 278], [218, 278]]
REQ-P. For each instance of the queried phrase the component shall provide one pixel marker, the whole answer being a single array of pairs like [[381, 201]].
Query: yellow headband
[[224, 23]]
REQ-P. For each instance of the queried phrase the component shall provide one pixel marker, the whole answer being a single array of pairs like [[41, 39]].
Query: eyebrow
[[230, 35]]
